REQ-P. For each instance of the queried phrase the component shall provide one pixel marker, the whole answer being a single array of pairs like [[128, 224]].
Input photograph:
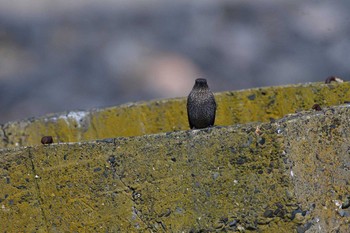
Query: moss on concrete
[[21, 207], [253, 177], [289, 175], [252, 105], [190, 180]]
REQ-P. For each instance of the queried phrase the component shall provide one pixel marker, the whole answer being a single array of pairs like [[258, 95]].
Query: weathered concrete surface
[[254, 105], [317, 151], [286, 176]]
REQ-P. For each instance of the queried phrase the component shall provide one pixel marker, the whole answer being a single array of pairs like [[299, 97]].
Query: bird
[[201, 105]]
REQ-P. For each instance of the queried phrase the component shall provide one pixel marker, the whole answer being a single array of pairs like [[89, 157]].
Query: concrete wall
[[291, 174], [253, 105]]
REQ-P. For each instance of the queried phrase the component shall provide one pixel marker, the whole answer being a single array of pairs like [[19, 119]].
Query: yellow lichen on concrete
[[213, 179], [77, 190], [252, 105], [140, 119], [21, 210], [287, 175], [262, 104]]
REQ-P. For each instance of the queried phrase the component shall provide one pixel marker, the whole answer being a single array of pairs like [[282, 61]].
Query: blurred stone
[[64, 55]]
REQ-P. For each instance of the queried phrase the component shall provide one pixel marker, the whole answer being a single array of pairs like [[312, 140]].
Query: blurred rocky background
[[58, 55]]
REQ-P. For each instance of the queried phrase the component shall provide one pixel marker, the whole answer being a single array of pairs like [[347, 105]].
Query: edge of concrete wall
[[252, 105]]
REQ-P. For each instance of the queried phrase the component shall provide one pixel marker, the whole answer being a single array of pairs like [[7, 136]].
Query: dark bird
[[46, 140], [201, 105]]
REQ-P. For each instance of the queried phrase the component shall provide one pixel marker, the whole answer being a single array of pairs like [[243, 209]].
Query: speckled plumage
[[201, 105]]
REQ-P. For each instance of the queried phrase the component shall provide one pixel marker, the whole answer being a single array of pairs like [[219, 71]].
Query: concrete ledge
[[270, 177], [253, 105]]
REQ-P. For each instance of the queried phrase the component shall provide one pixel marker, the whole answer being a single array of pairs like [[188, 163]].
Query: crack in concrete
[[139, 215], [38, 189], [134, 194]]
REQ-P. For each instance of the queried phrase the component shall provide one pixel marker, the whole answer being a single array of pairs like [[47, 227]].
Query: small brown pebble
[[333, 79], [317, 107], [46, 140]]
